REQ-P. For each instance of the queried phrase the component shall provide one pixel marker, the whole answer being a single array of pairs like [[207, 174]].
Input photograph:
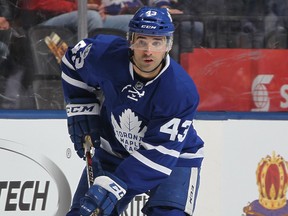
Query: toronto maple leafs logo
[[129, 132]]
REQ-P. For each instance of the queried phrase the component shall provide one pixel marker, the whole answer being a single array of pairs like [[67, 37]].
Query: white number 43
[[172, 128]]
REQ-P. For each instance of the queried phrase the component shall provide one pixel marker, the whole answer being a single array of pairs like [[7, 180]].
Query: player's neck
[[149, 74], [145, 75], [141, 78]]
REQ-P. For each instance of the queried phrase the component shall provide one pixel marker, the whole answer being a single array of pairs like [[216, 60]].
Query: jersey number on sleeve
[[172, 128], [79, 56]]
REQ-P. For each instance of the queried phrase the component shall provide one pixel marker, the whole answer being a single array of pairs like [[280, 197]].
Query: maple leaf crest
[[129, 132]]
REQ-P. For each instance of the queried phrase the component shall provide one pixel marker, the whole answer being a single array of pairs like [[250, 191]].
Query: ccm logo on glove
[[110, 186], [103, 195], [82, 109]]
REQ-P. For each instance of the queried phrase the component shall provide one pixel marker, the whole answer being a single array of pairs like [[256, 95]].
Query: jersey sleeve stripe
[[67, 63], [161, 149], [198, 154], [77, 83], [151, 164]]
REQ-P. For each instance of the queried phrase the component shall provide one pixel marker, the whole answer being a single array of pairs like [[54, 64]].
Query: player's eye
[[157, 44], [154, 45], [142, 44]]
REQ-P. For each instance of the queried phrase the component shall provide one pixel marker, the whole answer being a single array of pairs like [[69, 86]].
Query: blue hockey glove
[[83, 119], [103, 195]]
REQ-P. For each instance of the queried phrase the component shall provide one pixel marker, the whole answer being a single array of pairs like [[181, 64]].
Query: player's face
[[148, 53]]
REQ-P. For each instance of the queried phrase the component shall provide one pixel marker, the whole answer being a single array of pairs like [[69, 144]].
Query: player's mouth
[[148, 60]]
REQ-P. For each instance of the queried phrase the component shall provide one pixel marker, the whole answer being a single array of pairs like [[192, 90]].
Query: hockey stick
[[88, 147], [88, 154]]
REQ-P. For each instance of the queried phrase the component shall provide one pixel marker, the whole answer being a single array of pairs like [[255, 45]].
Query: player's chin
[[146, 68]]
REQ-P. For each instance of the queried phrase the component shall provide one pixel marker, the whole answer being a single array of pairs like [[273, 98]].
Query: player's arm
[[82, 71], [82, 104]]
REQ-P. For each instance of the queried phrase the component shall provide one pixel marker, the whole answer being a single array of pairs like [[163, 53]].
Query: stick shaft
[[89, 168]]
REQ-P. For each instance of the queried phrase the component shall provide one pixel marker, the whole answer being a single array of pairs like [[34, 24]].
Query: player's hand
[[83, 119], [103, 195]]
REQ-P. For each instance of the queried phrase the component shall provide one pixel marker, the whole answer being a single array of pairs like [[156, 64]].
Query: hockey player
[[148, 142]]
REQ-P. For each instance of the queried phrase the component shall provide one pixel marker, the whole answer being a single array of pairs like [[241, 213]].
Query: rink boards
[[40, 170]]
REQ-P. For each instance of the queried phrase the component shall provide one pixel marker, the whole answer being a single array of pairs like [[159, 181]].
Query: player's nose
[[148, 50]]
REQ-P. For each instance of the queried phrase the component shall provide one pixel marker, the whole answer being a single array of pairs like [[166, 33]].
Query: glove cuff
[[82, 109], [114, 186]]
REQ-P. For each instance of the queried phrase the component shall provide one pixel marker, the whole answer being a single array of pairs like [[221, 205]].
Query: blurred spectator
[[230, 28], [189, 33], [222, 22], [118, 13], [13, 76], [5, 17], [64, 13], [267, 21], [192, 32]]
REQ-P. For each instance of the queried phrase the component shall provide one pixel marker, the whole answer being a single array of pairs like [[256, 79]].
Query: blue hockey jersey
[[147, 125]]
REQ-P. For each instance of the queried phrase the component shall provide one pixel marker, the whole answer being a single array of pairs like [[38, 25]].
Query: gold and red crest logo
[[272, 181]]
